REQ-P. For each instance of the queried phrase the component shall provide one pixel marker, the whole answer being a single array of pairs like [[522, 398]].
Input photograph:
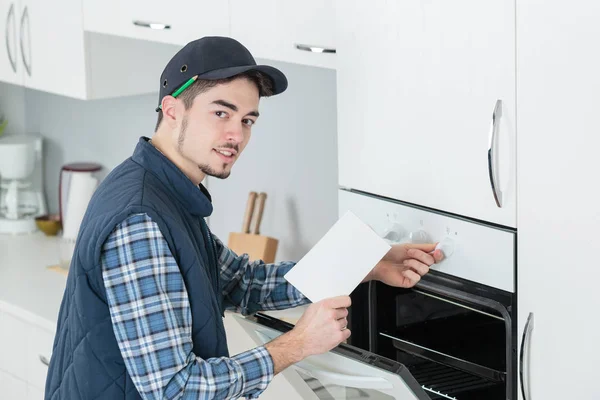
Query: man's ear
[[169, 109]]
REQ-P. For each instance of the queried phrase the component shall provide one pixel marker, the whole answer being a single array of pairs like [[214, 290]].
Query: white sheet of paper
[[337, 264]]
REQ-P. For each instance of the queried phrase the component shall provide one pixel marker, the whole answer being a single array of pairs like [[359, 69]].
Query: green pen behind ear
[[182, 88]]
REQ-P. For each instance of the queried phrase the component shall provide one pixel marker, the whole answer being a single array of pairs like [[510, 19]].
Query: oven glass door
[[345, 373]]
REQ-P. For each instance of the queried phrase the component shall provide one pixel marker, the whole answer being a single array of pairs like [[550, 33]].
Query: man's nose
[[234, 132]]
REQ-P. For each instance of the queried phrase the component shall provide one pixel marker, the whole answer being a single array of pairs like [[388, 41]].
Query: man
[[142, 312]]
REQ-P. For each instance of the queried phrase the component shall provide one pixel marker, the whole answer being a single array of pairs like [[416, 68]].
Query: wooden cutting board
[[257, 246]]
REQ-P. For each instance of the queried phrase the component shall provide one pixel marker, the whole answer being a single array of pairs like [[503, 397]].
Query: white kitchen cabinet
[[179, 23], [558, 218], [35, 393], [53, 47], [51, 52], [295, 31], [418, 83], [39, 348], [24, 339], [11, 68], [12, 388], [13, 345], [43, 46]]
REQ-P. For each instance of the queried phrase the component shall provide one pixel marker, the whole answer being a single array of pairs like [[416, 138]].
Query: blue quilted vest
[[86, 362]]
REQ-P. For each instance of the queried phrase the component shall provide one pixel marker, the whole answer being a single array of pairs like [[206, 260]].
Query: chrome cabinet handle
[[44, 360], [492, 153], [152, 25], [11, 12], [27, 66], [314, 49], [525, 345]]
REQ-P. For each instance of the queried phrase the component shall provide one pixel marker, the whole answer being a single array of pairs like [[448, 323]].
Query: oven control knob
[[393, 233], [447, 246], [419, 237]]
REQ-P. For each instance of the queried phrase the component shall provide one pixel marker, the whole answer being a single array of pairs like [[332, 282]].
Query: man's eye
[[249, 122], [221, 114]]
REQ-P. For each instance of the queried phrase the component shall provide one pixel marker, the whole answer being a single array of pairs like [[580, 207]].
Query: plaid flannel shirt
[[152, 319]]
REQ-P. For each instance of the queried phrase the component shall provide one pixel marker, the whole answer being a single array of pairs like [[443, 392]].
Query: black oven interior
[[456, 338]]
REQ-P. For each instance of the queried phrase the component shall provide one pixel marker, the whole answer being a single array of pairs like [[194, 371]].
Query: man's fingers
[[417, 266], [339, 302], [412, 276], [341, 313], [426, 247], [425, 258]]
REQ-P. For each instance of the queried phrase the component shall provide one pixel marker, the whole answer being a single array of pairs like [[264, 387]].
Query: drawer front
[[39, 344], [34, 393], [12, 388], [13, 344]]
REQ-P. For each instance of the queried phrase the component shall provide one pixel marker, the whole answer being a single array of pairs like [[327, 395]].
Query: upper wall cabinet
[[426, 103], [11, 67], [51, 43], [300, 32], [44, 46], [177, 22], [47, 49]]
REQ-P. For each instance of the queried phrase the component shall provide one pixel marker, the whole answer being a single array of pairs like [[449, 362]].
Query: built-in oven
[[455, 337], [452, 336]]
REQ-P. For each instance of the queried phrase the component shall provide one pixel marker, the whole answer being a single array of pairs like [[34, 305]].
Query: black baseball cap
[[212, 58]]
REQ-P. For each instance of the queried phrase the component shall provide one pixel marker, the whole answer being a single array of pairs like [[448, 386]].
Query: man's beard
[[207, 169], [211, 172]]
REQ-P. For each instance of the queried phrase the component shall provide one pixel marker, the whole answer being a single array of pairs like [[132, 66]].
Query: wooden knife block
[[258, 247]]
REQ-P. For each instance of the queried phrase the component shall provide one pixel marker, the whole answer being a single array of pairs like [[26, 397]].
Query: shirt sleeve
[[152, 322], [255, 286]]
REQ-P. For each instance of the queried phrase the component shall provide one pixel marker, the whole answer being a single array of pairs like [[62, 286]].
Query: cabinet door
[[294, 31], [39, 351], [13, 345], [418, 84], [53, 47], [34, 393], [558, 142], [178, 23], [10, 64], [12, 388]]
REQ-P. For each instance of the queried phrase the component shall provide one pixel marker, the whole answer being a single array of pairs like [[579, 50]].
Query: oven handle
[[525, 346]]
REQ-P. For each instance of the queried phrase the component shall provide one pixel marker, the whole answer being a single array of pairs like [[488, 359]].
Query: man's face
[[216, 129]]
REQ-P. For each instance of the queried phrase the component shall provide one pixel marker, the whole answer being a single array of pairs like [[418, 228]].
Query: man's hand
[[405, 264], [321, 328]]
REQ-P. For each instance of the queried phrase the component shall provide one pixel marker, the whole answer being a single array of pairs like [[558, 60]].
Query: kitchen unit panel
[[558, 164], [179, 23], [295, 31], [422, 89], [11, 69], [52, 42]]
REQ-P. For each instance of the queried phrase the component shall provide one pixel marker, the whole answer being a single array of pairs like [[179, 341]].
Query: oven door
[[344, 373]]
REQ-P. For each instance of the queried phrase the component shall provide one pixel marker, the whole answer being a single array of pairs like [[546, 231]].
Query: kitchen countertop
[[26, 283]]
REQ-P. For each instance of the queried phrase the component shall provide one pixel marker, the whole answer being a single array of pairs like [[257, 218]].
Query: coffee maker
[[21, 189]]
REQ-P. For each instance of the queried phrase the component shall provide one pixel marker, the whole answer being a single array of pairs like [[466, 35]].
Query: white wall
[[292, 155], [12, 106]]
